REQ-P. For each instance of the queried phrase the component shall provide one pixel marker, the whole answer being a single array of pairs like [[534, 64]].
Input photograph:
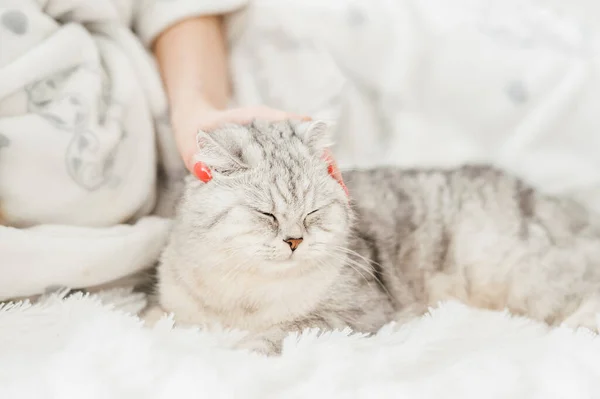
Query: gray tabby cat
[[272, 244]]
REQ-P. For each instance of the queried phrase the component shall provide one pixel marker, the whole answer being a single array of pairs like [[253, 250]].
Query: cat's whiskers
[[357, 266], [320, 265], [268, 252], [372, 273], [346, 253], [346, 261], [354, 253]]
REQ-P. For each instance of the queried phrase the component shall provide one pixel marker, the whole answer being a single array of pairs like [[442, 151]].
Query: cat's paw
[[260, 345], [586, 316], [589, 321], [151, 315]]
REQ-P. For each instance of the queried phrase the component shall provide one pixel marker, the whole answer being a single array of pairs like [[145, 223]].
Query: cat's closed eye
[[312, 212], [318, 209], [310, 216], [268, 215]]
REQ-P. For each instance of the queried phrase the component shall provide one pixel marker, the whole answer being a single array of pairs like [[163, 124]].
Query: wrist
[[186, 106]]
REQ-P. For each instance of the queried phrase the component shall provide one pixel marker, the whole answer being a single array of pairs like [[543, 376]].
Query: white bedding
[[437, 82], [78, 348]]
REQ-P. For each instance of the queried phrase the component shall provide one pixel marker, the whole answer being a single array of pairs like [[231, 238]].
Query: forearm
[[192, 56]]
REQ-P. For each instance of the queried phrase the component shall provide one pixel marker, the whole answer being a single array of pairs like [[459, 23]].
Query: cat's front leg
[[410, 312], [270, 342], [587, 315], [151, 315]]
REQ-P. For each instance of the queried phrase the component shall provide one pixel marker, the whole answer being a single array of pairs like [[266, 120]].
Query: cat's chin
[[289, 265]]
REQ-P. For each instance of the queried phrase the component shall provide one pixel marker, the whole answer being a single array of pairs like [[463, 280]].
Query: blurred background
[[87, 151]]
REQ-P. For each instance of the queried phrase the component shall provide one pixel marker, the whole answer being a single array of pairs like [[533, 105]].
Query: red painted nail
[[330, 170], [202, 172]]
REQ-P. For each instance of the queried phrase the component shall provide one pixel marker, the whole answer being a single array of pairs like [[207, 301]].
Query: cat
[[272, 244]]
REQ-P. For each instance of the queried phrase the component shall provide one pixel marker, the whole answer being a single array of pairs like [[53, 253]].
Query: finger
[[247, 115], [194, 164], [334, 171], [190, 160], [197, 167], [202, 172]]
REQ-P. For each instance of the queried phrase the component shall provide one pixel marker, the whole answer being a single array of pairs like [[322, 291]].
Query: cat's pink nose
[[293, 242]]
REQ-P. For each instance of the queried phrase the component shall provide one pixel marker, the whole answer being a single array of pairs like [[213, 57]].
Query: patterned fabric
[[82, 121]]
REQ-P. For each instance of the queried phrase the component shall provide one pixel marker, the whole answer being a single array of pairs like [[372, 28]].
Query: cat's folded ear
[[317, 135], [221, 150]]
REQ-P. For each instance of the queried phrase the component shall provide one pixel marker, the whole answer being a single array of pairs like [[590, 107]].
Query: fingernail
[[202, 172], [331, 170], [337, 175]]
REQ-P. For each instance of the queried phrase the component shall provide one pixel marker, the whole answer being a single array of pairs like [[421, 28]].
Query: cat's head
[[272, 205]]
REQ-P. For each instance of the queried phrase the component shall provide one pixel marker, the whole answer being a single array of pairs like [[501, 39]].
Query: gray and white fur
[[403, 241]]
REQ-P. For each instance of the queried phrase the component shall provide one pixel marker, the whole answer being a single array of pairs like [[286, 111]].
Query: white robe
[[83, 119]]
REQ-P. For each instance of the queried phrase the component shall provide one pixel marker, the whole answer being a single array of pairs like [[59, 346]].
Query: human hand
[[197, 116], [194, 117]]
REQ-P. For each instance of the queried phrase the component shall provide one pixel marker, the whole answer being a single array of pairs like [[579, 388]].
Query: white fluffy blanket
[[79, 348]]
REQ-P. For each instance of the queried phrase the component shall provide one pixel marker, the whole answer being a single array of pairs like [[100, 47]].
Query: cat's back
[[458, 233], [414, 195], [468, 197], [414, 224]]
